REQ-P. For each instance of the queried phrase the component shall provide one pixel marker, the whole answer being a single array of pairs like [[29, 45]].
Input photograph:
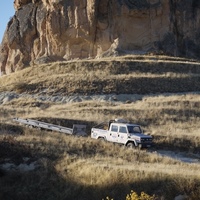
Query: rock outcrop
[[44, 31]]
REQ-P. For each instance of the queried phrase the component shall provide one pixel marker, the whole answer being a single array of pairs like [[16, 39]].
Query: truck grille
[[146, 140]]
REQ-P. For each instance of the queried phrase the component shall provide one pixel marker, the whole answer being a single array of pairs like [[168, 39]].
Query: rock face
[[44, 31]]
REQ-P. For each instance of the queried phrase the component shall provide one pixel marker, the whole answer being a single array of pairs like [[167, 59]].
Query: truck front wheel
[[130, 145], [102, 139]]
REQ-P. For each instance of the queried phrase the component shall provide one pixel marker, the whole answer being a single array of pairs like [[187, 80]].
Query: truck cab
[[128, 134]]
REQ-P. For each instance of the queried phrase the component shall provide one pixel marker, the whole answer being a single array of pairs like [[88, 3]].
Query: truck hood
[[140, 135]]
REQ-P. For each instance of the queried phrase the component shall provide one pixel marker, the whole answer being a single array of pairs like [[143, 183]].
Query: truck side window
[[114, 128], [122, 129]]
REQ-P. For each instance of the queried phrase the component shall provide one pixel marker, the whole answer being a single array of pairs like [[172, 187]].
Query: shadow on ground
[[46, 183]]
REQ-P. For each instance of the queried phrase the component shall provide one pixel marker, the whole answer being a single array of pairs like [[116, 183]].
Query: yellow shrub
[[134, 196], [143, 196]]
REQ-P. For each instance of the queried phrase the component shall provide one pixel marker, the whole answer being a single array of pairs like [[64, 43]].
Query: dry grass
[[79, 168], [139, 74], [172, 120], [94, 170], [82, 168]]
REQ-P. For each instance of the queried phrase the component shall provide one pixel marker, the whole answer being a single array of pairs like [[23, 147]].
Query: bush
[[143, 196], [134, 196]]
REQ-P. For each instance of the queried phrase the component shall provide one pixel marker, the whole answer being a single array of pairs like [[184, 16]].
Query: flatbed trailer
[[76, 130]]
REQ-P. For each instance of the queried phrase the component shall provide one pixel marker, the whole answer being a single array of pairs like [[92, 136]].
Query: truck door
[[113, 133], [122, 135]]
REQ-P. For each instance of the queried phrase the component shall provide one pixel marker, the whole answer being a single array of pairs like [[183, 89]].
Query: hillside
[[160, 93]]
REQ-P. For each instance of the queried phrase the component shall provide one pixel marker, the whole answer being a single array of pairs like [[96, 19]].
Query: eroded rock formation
[[49, 30]]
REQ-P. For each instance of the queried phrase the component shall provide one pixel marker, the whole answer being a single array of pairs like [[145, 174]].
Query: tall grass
[[78, 168], [69, 167], [122, 75], [172, 120]]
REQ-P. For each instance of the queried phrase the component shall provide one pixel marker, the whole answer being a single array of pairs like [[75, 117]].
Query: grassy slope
[[82, 168]]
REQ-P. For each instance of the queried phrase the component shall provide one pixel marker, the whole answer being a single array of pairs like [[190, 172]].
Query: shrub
[[143, 196], [134, 196]]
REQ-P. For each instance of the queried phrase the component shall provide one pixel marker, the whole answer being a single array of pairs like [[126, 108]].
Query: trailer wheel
[[130, 145]]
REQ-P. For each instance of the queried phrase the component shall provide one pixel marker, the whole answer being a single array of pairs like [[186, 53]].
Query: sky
[[6, 12]]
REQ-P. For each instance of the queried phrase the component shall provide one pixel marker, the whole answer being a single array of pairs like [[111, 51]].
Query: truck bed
[[98, 133]]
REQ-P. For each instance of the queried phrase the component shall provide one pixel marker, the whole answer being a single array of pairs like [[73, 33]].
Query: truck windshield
[[134, 129]]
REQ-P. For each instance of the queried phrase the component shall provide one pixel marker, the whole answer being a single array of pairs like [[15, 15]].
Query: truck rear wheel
[[130, 145]]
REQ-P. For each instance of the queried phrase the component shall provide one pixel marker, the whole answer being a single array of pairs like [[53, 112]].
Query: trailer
[[77, 129]]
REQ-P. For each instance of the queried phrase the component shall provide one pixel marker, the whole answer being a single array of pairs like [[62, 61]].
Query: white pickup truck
[[119, 131]]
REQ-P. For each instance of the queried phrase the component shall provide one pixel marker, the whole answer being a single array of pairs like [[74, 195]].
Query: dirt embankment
[[126, 75]]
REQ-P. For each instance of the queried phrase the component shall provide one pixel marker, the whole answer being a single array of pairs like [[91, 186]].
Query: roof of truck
[[127, 124]]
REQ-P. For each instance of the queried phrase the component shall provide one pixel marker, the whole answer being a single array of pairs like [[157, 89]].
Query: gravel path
[[9, 96], [120, 98]]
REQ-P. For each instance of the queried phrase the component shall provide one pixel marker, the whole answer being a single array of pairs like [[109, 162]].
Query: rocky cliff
[[49, 30]]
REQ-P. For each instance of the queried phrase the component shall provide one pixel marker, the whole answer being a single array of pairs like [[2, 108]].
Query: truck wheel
[[130, 145], [102, 139]]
